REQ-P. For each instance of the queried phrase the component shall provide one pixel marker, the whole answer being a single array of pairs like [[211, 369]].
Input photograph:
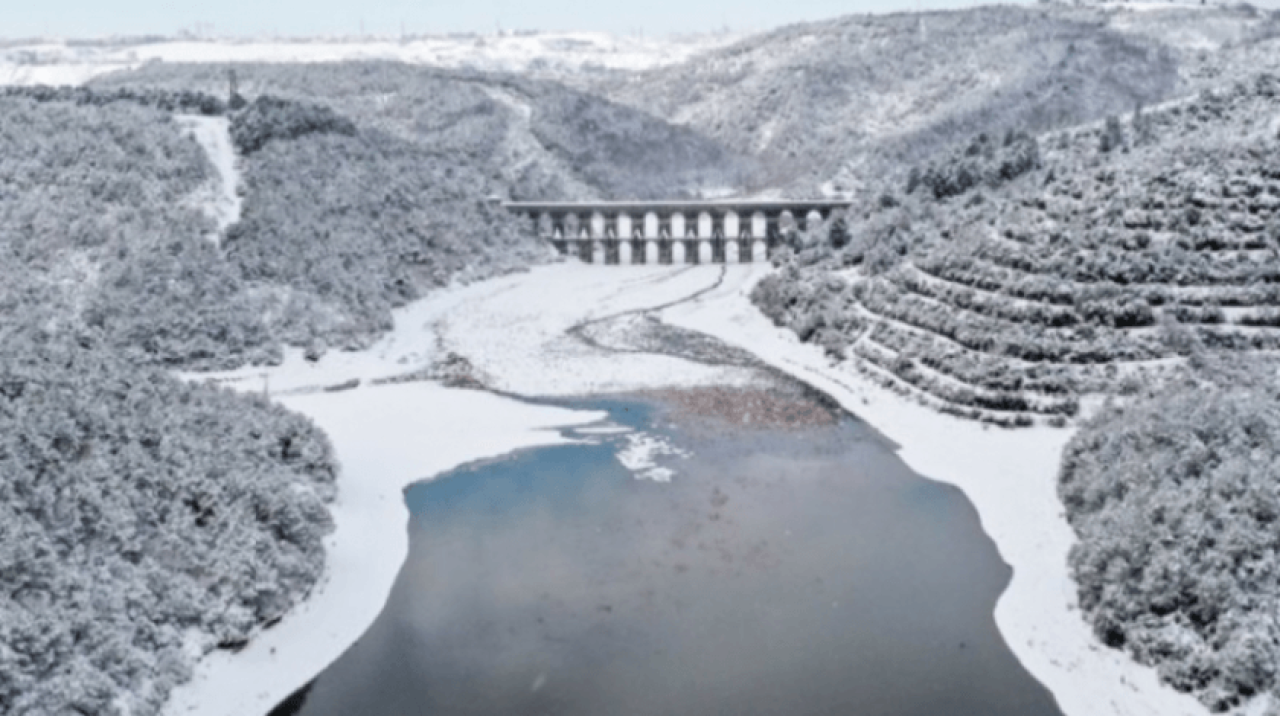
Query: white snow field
[[512, 331], [56, 62]]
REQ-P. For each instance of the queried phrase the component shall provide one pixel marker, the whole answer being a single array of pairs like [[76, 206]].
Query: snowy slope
[[848, 97], [221, 199]]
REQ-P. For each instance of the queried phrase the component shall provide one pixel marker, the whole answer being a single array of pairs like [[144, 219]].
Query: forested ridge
[[542, 139], [1004, 279], [143, 520], [837, 103], [147, 520], [1175, 499]]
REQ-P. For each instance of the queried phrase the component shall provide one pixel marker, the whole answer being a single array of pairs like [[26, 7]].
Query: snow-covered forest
[[544, 140], [143, 521], [836, 104], [1174, 497], [146, 520], [1004, 280], [1055, 208]]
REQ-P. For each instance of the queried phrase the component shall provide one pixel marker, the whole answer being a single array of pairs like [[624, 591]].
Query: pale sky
[[95, 18]]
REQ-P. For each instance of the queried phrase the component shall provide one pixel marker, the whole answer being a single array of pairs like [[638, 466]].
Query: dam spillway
[[673, 232]]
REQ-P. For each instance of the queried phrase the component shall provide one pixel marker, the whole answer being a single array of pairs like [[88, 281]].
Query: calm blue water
[[782, 571]]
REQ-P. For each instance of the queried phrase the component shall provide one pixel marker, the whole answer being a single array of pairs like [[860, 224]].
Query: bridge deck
[[692, 205], [673, 231]]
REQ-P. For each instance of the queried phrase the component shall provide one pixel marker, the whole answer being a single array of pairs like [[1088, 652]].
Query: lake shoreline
[[380, 458], [512, 329], [1010, 476]]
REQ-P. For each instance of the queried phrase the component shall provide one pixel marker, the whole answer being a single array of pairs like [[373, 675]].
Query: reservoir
[[707, 551]]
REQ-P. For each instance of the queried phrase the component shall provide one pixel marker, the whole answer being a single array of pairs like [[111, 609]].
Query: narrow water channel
[[792, 565]]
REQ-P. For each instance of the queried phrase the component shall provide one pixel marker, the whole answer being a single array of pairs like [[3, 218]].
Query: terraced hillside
[[1133, 246]]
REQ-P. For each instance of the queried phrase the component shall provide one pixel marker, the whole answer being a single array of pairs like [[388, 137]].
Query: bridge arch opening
[[680, 231], [705, 225], [732, 224], [677, 225], [651, 225]]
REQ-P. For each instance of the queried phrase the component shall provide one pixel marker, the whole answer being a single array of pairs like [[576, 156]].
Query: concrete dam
[[672, 232]]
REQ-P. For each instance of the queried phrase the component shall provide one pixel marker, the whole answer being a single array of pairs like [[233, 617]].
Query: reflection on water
[[782, 571]]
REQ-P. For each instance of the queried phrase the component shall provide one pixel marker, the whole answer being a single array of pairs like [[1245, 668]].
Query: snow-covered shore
[[1010, 476], [389, 436], [512, 330], [386, 437]]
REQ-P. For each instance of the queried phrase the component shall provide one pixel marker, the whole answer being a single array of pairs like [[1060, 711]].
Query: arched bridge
[[672, 232]]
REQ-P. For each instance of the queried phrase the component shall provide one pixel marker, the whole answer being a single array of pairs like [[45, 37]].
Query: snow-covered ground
[[61, 62], [221, 198], [511, 330]]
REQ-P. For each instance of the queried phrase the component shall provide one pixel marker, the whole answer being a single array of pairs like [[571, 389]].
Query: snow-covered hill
[[840, 100], [545, 55]]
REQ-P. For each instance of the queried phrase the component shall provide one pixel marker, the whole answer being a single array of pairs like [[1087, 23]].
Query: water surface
[[790, 567]]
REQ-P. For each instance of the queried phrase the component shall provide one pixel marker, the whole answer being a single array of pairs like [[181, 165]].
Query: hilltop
[[830, 106], [537, 137]]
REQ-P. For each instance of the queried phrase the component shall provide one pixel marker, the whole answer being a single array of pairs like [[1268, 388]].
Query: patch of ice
[[609, 429], [640, 456]]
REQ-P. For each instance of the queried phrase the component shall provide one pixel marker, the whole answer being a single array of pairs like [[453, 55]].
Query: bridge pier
[[675, 232]]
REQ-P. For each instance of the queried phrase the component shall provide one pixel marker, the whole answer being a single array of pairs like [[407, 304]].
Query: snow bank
[[386, 437], [1009, 476]]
